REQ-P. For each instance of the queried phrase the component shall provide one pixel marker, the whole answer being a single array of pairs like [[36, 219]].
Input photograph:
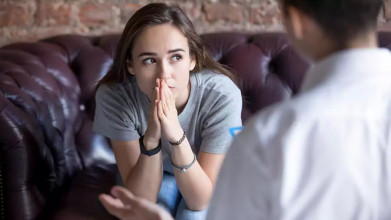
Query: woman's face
[[162, 51]]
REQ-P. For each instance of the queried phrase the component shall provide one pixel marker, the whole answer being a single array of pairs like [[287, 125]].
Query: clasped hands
[[163, 117]]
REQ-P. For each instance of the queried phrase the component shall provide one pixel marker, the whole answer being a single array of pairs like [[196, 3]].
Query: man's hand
[[124, 205]]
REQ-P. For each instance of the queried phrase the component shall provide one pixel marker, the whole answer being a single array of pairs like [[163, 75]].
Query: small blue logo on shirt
[[235, 130]]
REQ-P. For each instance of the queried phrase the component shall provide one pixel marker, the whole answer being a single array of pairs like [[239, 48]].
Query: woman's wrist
[[149, 152], [176, 135], [150, 143], [178, 141]]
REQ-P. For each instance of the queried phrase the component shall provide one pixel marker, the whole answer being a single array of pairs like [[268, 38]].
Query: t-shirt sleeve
[[114, 115], [221, 122]]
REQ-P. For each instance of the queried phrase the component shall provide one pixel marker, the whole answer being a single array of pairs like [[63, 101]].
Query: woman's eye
[[176, 58], [148, 61]]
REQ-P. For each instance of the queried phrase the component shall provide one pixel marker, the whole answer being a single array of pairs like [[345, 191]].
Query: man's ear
[[129, 66], [296, 20], [193, 62]]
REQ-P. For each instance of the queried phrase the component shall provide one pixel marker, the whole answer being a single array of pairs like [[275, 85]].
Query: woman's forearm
[[145, 178], [194, 185]]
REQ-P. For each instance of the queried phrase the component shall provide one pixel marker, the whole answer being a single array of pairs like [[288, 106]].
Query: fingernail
[[114, 191]]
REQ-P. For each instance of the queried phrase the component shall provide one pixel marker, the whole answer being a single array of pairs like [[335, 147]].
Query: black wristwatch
[[149, 152]]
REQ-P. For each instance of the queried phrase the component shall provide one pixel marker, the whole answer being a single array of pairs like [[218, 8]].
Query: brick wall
[[29, 20]]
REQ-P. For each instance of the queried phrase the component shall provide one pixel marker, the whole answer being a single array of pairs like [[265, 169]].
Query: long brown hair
[[157, 14]]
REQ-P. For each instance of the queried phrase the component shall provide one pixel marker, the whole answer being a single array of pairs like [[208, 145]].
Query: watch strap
[[151, 152]]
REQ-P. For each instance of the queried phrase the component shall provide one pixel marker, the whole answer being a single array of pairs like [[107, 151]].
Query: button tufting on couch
[[52, 165]]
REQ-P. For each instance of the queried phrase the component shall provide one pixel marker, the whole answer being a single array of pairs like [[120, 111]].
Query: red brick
[[267, 13], [221, 11], [49, 32], [128, 10], [48, 14], [191, 9], [34, 34], [95, 14], [13, 15]]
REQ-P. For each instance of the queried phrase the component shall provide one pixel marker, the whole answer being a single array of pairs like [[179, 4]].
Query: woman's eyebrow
[[155, 54], [176, 50], [147, 54]]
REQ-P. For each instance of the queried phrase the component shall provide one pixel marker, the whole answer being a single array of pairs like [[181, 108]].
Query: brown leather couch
[[52, 165]]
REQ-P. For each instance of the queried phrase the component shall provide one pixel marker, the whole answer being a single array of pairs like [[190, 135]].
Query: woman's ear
[[129, 66], [193, 62]]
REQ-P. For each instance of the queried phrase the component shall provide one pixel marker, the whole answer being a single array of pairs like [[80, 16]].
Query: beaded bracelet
[[180, 140], [184, 168]]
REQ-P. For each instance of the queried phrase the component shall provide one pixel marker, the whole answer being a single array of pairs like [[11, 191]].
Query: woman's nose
[[164, 70]]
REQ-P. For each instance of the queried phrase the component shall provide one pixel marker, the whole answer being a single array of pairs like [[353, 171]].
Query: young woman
[[167, 108]]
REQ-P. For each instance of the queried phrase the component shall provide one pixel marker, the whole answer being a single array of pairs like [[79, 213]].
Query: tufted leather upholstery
[[52, 165]]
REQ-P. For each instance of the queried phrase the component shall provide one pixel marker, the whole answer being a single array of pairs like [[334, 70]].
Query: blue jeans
[[171, 199]]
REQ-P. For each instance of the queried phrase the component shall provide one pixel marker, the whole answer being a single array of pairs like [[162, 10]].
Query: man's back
[[325, 154]]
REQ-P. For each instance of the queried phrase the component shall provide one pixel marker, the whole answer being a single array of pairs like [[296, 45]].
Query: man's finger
[[124, 195], [113, 206]]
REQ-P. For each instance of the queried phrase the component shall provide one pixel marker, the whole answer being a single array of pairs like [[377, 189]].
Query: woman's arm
[[140, 173], [197, 184]]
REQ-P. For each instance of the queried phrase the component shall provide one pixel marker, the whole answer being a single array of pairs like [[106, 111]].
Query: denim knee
[[169, 195], [184, 213]]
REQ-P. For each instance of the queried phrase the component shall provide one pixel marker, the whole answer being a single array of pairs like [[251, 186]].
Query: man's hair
[[340, 19]]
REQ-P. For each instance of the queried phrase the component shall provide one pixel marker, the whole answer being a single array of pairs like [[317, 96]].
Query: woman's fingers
[[154, 128], [160, 111], [168, 94], [157, 89], [153, 105], [166, 101], [156, 95]]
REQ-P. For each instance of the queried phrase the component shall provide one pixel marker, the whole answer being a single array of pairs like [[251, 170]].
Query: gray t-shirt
[[212, 111]]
